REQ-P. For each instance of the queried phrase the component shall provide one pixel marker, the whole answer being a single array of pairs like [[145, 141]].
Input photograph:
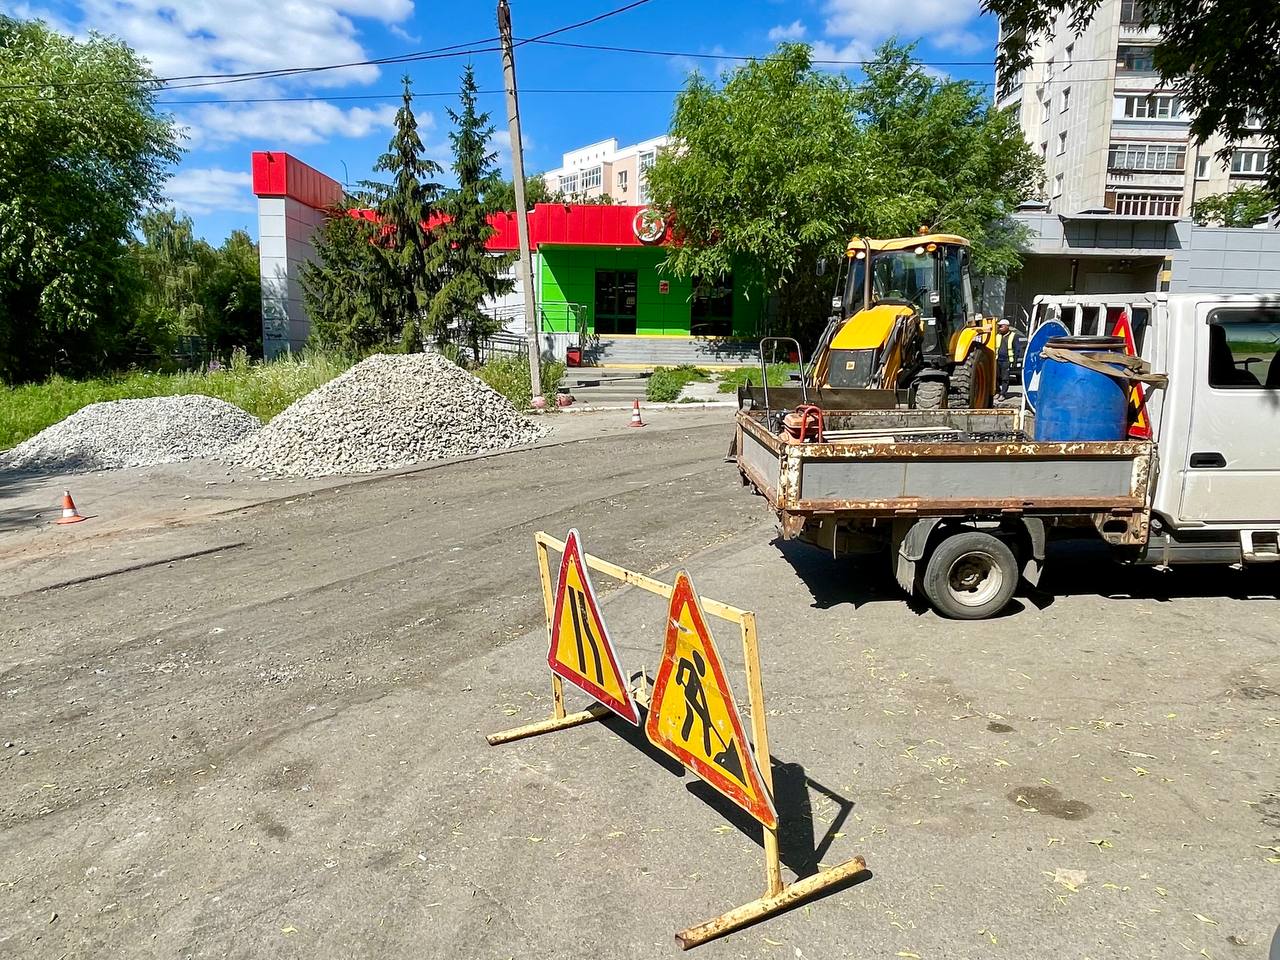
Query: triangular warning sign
[[692, 714], [1139, 423], [581, 651]]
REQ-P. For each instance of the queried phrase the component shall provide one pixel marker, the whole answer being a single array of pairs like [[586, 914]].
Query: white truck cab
[[1216, 495]]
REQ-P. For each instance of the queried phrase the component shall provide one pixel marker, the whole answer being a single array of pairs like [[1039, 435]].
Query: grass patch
[[779, 376], [510, 377], [667, 382], [263, 389]]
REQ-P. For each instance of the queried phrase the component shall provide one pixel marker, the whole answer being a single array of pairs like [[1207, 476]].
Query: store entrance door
[[615, 301]]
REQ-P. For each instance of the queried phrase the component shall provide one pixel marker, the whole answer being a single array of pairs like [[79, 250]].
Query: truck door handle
[[1208, 460]]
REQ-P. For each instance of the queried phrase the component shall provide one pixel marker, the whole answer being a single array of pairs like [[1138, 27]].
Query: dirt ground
[[255, 728]]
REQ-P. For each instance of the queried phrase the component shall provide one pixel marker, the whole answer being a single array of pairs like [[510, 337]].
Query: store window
[[1244, 349], [615, 301], [711, 309]]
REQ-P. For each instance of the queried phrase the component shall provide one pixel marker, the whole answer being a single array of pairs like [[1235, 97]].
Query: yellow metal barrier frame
[[778, 897]]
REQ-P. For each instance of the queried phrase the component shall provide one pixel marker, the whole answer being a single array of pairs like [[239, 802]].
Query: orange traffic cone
[[69, 512], [635, 414]]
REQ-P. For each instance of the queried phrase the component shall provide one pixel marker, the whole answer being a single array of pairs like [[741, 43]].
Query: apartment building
[[1112, 138], [605, 169]]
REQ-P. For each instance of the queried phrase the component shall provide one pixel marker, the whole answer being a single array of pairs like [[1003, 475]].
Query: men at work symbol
[[581, 626], [689, 674]]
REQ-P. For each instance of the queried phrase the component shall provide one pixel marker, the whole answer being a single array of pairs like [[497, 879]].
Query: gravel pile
[[385, 412], [133, 433]]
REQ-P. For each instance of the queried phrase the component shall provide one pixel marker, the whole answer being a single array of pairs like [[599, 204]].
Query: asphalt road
[[275, 747]]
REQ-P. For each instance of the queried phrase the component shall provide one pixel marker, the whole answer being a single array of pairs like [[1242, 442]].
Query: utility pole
[[522, 214]]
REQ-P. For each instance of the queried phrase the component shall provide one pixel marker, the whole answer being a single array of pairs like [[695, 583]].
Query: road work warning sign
[[581, 651], [692, 714]]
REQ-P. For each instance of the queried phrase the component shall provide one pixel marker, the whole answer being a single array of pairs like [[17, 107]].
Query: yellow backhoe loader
[[907, 324]]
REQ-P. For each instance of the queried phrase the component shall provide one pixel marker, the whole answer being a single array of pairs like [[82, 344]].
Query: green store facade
[[598, 271]]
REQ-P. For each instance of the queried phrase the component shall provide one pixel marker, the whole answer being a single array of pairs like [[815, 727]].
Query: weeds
[[667, 382]]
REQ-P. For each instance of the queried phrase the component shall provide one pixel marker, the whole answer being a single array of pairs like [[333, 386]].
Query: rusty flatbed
[[869, 473]]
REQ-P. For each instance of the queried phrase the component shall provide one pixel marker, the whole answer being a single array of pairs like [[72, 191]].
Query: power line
[[217, 79], [733, 56]]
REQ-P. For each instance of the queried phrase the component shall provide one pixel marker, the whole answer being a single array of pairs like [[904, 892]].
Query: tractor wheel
[[931, 395], [969, 388]]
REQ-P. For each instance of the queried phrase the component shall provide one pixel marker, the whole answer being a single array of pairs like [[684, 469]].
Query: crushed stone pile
[[387, 411], [133, 433]]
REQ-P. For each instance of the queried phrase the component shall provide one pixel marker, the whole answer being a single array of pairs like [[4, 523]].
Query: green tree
[[470, 274], [500, 194], [943, 158], [175, 265], [782, 164], [769, 171], [346, 287], [1241, 207], [1219, 57], [405, 208], [232, 294], [82, 153]]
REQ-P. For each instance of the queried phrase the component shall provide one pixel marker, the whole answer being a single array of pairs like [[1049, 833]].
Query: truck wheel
[[969, 388], [970, 576], [931, 395]]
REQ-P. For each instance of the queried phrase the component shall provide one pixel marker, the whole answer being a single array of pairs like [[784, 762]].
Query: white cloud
[[238, 36], [795, 30], [212, 190], [313, 121], [846, 56], [870, 21]]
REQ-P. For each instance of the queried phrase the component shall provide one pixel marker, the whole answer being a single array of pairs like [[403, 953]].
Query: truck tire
[[931, 395], [970, 575], [968, 388]]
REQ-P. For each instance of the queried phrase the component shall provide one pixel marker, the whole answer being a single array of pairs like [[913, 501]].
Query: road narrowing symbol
[[581, 651], [692, 714]]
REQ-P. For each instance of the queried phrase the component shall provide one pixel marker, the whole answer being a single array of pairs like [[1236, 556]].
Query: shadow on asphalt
[[1072, 568], [799, 848], [24, 494]]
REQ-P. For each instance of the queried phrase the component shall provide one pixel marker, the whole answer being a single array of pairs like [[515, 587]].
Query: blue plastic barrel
[[1077, 403]]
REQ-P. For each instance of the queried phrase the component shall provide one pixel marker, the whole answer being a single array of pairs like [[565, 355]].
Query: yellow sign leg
[[760, 736]]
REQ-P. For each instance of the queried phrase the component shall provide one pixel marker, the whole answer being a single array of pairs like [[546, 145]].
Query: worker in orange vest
[[1009, 348]]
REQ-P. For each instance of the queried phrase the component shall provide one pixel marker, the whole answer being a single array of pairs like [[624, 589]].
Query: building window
[[642, 175], [1154, 107], [1132, 12], [622, 181], [1202, 168], [1057, 186], [1062, 143], [1049, 69], [711, 310], [1135, 60], [1147, 204], [1066, 99], [1066, 56], [569, 183], [1250, 162], [1044, 149], [591, 178], [1157, 157]]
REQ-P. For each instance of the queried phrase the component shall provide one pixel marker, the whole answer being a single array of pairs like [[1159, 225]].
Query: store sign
[[648, 226], [664, 286]]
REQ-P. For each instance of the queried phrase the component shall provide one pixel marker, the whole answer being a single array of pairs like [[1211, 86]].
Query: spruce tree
[[469, 273], [404, 208]]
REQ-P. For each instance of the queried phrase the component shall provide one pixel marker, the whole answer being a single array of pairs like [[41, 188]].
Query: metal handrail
[[764, 369]]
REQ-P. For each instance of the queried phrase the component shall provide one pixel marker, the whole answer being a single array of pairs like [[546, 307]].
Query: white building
[[605, 169], [1112, 138]]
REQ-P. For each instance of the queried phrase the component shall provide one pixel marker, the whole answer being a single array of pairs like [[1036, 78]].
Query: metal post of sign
[[778, 896], [760, 736]]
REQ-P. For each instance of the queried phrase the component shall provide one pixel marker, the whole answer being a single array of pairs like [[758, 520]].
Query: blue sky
[[185, 37]]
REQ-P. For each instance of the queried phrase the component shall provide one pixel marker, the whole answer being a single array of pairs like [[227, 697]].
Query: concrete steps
[[672, 352], [602, 386]]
